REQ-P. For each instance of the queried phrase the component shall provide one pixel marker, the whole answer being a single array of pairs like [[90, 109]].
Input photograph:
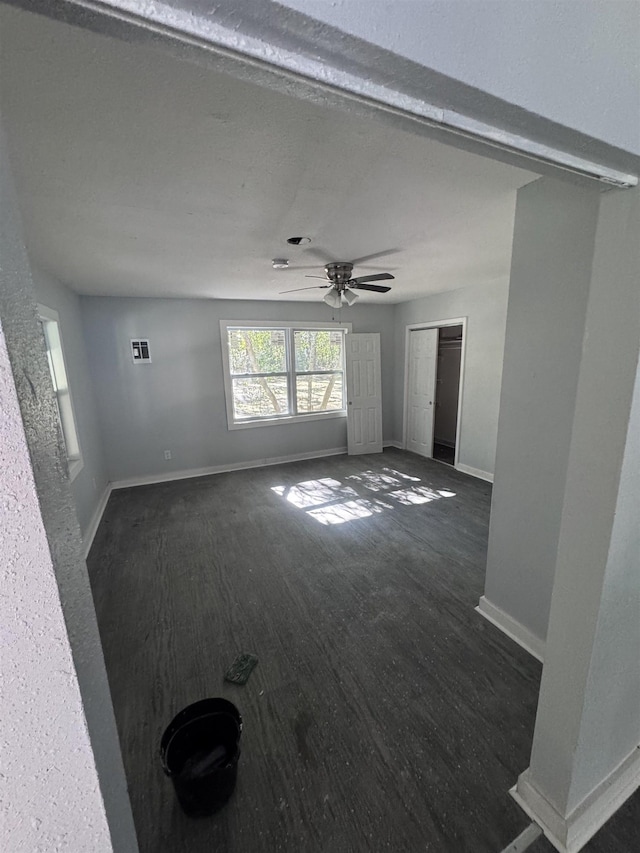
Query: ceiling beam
[[269, 45]]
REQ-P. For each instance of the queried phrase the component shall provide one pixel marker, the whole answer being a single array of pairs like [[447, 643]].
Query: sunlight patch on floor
[[330, 501], [315, 492], [416, 495]]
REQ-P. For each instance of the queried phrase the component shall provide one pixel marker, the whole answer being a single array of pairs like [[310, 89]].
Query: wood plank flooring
[[384, 714]]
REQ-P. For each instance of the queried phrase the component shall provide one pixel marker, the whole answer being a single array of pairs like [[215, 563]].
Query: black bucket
[[200, 751]]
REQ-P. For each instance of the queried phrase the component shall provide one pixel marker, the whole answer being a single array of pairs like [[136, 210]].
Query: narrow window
[[55, 357]]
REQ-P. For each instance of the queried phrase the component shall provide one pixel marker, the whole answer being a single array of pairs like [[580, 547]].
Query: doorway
[[445, 416], [433, 389]]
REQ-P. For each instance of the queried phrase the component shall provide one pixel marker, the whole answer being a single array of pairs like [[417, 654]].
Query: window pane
[[260, 397], [257, 351], [68, 425], [61, 388], [319, 393], [320, 350]]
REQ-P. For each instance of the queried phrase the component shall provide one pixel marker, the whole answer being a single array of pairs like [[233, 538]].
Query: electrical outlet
[[167, 454]]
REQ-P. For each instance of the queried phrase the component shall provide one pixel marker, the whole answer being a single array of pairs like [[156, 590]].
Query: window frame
[[61, 387], [290, 327]]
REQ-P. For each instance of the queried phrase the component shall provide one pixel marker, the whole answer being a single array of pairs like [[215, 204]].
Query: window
[[55, 357], [282, 371]]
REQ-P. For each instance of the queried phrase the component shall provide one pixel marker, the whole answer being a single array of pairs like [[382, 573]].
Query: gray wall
[[486, 309], [615, 660], [89, 485], [550, 274], [177, 402], [56, 693]]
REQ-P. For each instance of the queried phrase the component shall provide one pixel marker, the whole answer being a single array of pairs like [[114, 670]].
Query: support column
[[585, 760], [552, 255]]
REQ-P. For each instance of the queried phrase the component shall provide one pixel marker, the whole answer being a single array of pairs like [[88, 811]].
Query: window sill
[[294, 419], [75, 466]]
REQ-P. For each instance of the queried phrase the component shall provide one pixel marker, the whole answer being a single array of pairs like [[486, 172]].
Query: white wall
[[575, 63], [486, 310], [89, 485], [550, 274], [177, 402]]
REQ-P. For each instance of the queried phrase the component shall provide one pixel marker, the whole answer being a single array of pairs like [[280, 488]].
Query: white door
[[421, 390], [364, 394]]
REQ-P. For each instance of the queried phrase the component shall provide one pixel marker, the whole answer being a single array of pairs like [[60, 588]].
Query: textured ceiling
[[142, 175]]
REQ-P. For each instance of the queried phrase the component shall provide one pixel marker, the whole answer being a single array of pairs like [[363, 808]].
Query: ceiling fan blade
[[323, 277], [312, 287], [319, 253], [382, 276], [385, 268], [378, 288], [364, 258]]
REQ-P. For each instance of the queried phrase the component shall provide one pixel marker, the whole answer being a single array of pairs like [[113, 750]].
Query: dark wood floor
[[384, 714]]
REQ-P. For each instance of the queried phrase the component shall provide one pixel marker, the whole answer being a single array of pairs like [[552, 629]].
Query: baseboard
[[570, 834], [512, 628], [392, 443], [189, 473], [475, 472], [96, 518]]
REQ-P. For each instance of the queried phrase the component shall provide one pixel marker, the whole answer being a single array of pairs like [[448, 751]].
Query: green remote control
[[241, 669]]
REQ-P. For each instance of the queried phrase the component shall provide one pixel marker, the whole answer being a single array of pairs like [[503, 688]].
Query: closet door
[[423, 358]]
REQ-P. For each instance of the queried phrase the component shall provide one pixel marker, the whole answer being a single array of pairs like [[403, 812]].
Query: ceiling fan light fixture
[[332, 298], [350, 296], [280, 263]]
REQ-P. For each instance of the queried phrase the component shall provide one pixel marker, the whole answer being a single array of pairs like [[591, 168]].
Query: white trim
[[435, 324], [96, 518], [289, 419], [75, 466], [474, 472], [393, 443], [512, 628], [524, 840], [46, 313], [569, 834], [300, 325], [188, 473]]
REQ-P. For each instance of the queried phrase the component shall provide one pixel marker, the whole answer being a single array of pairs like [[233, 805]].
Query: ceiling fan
[[340, 283]]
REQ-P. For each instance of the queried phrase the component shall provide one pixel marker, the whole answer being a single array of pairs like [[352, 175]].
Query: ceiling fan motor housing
[[339, 273]]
